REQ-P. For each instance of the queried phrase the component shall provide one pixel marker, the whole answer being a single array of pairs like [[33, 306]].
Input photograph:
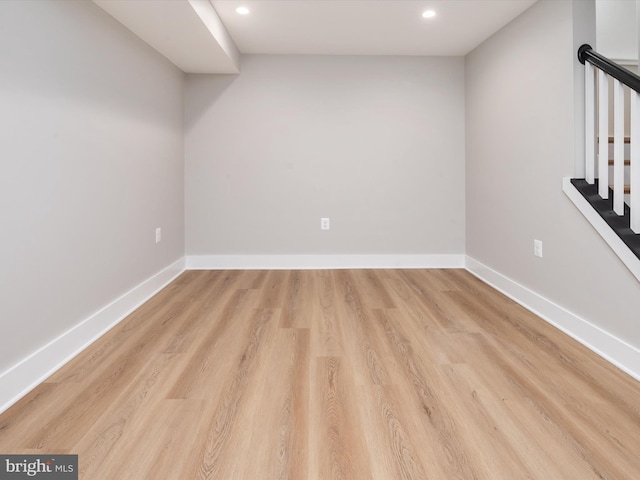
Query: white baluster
[[618, 147], [634, 203], [603, 134], [590, 121]]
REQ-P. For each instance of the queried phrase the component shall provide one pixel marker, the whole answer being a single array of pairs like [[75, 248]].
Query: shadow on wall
[[62, 67], [202, 88]]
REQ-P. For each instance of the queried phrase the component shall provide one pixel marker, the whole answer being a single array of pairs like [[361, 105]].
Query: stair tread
[[626, 162], [627, 189], [626, 139]]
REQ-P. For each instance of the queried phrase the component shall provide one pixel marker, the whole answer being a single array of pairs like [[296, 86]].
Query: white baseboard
[[37, 367], [321, 262], [624, 356]]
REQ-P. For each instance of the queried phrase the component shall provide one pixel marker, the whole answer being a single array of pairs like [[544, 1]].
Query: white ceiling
[[176, 30], [365, 27], [319, 27]]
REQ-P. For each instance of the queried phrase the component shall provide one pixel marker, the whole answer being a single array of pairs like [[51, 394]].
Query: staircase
[[609, 193], [627, 166]]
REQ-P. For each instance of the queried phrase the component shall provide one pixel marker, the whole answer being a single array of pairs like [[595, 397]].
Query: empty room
[[320, 239]]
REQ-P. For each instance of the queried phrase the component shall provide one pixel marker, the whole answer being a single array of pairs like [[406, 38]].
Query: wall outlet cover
[[537, 248]]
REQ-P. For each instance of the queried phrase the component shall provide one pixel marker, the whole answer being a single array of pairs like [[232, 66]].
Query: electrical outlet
[[325, 224], [158, 235], [537, 248]]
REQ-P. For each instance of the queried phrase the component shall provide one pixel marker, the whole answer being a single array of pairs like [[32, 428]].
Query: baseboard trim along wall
[[37, 367], [321, 262], [616, 351]]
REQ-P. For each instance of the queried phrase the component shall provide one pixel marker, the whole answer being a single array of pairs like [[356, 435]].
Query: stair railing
[[597, 166]]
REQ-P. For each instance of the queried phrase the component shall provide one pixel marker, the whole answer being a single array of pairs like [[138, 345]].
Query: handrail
[[630, 79]]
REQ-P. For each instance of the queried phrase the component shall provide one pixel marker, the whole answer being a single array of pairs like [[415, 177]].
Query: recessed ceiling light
[[242, 10], [428, 14]]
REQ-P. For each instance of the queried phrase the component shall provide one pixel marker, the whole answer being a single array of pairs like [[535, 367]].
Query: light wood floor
[[388, 374]]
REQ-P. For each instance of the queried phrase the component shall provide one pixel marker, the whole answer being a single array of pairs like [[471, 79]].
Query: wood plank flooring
[[345, 374]]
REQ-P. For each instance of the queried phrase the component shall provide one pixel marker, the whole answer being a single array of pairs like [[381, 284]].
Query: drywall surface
[[520, 141], [91, 162], [617, 29], [376, 144]]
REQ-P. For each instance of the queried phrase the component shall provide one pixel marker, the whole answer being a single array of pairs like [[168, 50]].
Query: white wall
[[520, 136], [374, 143], [617, 38], [91, 161], [617, 29]]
